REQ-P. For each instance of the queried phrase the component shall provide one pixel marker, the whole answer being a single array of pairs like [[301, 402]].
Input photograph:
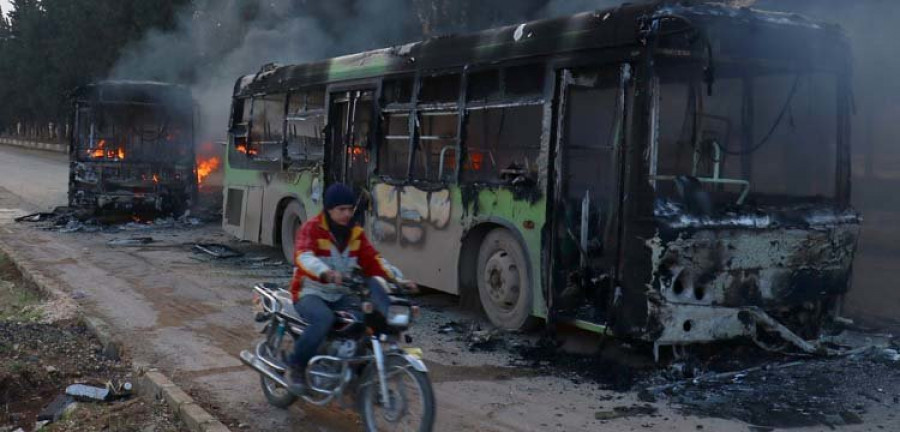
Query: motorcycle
[[362, 357]]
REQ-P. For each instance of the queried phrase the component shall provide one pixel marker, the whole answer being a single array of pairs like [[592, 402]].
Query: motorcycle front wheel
[[277, 395], [411, 399]]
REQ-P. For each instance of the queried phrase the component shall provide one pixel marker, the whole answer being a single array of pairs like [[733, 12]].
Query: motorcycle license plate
[[415, 352]]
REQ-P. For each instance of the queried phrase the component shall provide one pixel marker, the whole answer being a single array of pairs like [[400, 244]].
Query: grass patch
[[18, 301]]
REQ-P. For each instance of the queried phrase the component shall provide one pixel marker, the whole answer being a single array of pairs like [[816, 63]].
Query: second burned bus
[[677, 173]]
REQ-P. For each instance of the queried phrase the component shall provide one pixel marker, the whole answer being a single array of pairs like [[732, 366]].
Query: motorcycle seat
[[288, 310]]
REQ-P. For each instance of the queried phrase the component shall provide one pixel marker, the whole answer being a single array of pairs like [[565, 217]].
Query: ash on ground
[[733, 380], [794, 392]]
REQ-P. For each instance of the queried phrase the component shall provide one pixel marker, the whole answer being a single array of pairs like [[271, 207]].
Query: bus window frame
[[408, 109], [444, 107], [289, 164], [502, 100], [372, 85]]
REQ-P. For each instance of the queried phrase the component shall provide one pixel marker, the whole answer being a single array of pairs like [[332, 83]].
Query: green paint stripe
[[589, 326]]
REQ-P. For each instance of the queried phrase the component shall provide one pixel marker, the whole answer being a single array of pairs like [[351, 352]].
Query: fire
[[475, 160], [205, 167], [98, 152], [246, 150], [102, 152], [155, 178]]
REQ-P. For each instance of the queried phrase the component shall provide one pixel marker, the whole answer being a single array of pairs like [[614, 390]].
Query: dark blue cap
[[339, 194]]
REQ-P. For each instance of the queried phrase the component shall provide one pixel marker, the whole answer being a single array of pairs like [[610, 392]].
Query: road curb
[[150, 381], [37, 145]]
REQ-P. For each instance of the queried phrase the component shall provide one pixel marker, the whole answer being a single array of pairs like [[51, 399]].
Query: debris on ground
[[484, 340], [617, 367], [132, 241], [625, 411], [67, 221], [38, 359], [55, 410], [473, 335], [790, 393], [87, 393], [451, 327], [217, 250], [34, 217]]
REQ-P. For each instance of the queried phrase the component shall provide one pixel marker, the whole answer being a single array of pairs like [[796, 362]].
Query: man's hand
[[332, 276]]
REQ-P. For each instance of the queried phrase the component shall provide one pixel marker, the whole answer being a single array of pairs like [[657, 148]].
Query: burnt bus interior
[[694, 157], [132, 149]]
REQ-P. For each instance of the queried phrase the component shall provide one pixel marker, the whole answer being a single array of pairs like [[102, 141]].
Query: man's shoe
[[297, 381]]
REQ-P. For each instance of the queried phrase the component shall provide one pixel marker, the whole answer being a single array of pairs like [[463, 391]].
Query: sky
[[5, 5]]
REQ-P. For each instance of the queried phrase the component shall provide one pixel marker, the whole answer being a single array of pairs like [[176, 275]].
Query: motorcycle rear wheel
[[412, 398]]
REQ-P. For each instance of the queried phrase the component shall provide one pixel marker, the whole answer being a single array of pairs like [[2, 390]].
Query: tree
[[49, 47]]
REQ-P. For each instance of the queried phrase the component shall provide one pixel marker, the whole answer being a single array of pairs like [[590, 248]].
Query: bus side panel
[[418, 231], [421, 231], [299, 186]]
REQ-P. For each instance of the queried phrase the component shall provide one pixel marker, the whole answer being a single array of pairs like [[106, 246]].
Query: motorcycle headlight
[[398, 316]]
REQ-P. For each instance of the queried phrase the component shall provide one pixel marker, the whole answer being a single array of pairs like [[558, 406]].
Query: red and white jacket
[[315, 252]]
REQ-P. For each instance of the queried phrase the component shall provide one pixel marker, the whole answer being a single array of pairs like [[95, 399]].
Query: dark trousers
[[320, 316]]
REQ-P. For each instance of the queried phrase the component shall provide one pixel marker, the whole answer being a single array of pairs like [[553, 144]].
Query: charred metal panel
[[793, 264]]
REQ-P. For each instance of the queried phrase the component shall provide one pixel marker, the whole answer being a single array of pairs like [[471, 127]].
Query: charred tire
[[504, 283], [291, 220], [278, 396], [402, 380]]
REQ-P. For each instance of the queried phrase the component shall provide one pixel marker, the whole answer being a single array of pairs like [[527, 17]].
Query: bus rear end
[[132, 149]]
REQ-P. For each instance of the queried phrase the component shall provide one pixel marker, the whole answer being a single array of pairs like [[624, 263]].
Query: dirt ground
[[189, 314], [39, 359]]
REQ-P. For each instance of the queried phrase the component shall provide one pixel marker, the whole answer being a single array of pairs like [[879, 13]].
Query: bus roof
[[620, 27], [118, 91]]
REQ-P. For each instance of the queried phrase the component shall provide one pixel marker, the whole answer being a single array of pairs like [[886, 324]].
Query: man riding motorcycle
[[328, 246]]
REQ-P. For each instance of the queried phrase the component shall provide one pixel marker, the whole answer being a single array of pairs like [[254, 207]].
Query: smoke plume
[[215, 42]]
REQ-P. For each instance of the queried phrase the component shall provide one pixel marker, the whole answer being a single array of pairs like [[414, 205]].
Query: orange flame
[[121, 153], [246, 150], [155, 178], [205, 167], [98, 152]]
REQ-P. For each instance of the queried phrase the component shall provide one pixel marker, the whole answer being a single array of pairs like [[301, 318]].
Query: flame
[[205, 167], [98, 152], [475, 160], [121, 153], [155, 178], [246, 150]]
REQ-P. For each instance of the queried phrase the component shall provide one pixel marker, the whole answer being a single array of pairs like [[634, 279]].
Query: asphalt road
[[40, 178]]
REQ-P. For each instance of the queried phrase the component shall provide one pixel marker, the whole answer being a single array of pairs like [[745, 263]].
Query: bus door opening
[[350, 121], [584, 218]]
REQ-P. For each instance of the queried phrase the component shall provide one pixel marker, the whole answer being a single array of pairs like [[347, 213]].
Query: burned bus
[[132, 149], [675, 172]]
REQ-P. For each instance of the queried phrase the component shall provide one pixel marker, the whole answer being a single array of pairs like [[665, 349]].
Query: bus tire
[[291, 220], [504, 282]]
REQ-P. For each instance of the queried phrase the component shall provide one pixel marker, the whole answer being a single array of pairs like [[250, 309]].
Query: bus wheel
[[504, 285], [290, 224]]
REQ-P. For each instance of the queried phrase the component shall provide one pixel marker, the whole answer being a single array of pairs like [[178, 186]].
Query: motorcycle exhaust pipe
[[255, 363]]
